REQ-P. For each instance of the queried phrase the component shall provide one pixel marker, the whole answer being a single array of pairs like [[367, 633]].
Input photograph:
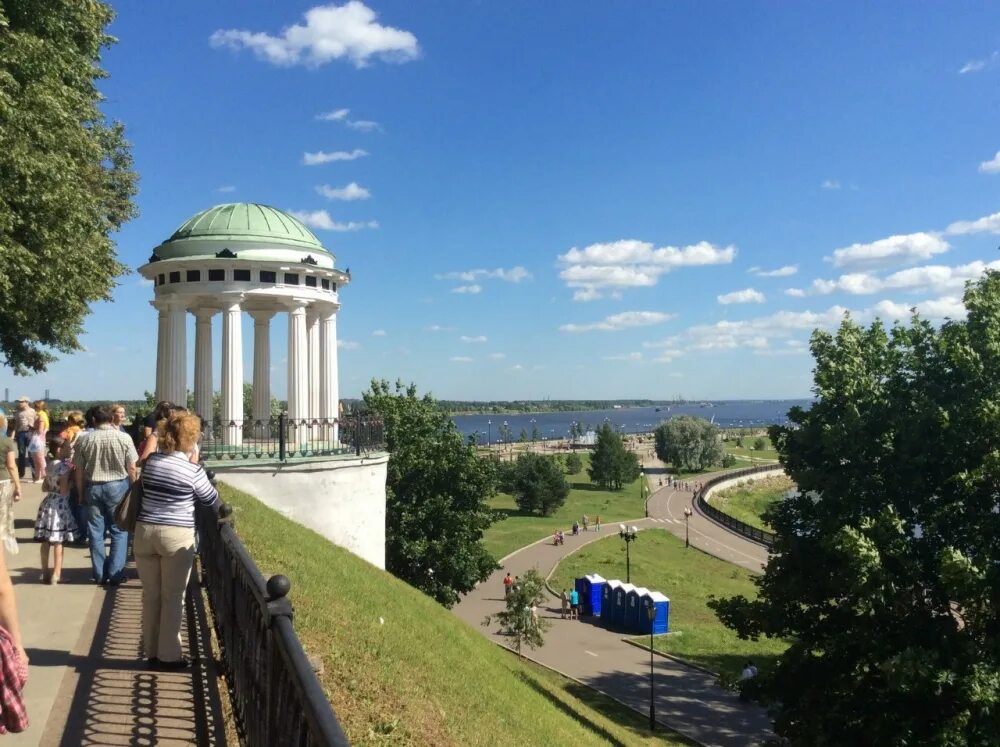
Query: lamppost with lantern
[[642, 488], [687, 526], [489, 435], [651, 613], [628, 534]]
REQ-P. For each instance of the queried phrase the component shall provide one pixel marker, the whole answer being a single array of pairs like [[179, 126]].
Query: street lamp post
[[628, 534], [651, 612], [687, 526], [642, 488], [489, 435]]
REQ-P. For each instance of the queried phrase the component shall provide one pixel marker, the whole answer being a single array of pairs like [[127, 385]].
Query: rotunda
[[246, 257]]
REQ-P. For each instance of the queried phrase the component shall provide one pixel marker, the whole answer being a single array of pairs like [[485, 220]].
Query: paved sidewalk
[[687, 699], [87, 684]]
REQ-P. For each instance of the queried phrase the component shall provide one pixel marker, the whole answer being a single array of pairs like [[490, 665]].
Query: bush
[[760, 444], [729, 460], [573, 464]]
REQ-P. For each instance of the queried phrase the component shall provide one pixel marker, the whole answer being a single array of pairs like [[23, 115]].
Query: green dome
[[245, 222]]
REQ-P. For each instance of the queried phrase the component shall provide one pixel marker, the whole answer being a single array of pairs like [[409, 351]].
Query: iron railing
[[277, 699], [284, 437], [753, 533]]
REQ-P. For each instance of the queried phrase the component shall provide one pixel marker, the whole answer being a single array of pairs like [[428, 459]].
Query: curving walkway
[[687, 699]]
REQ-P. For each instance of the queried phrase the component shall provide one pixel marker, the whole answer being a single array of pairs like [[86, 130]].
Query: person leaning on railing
[[164, 542]]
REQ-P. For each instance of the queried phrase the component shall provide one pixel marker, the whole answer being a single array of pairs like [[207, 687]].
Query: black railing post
[[277, 606], [282, 421], [357, 433]]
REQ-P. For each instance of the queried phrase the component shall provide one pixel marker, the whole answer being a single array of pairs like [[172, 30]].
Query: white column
[[298, 374], [161, 349], [232, 374], [175, 377], [312, 338], [203, 366], [261, 371], [329, 394]]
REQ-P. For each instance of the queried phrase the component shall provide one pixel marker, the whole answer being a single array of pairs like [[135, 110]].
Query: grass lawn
[[421, 677], [767, 453], [748, 502], [690, 579], [519, 529]]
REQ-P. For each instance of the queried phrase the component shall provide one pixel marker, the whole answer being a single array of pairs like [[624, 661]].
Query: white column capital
[[203, 314], [261, 316]]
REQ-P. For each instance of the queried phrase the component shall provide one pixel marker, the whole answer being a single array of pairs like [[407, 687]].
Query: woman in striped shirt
[[164, 536]]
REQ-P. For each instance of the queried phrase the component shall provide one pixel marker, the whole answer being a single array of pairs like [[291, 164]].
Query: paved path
[[687, 699], [666, 507], [86, 683]]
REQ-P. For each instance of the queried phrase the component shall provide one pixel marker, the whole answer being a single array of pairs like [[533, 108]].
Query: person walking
[[8, 453], [55, 523], [597, 522], [118, 417], [24, 428], [507, 583], [574, 605], [564, 599], [164, 537], [104, 462]]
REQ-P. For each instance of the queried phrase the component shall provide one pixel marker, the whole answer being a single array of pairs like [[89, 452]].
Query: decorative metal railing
[[720, 517], [276, 697], [284, 437]]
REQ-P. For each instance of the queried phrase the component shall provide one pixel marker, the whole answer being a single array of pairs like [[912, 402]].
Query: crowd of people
[[87, 464]]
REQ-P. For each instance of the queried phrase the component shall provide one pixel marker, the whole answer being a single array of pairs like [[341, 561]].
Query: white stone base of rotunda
[[342, 498]]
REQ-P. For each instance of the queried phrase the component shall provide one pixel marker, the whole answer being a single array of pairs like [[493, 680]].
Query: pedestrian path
[[687, 699], [87, 683]]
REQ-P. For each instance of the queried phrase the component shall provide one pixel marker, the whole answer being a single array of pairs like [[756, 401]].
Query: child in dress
[[55, 523]]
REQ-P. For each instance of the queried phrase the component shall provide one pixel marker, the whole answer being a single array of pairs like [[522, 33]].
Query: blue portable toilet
[[634, 610], [608, 602], [620, 601], [590, 601], [661, 613]]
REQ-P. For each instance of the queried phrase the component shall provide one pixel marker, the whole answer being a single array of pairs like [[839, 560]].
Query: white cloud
[[513, 275], [348, 344], [900, 249], [321, 219], [830, 184], [975, 66], [987, 224], [438, 328], [340, 115], [934, 278], [517, 367], [498, 356], [379, 333], [668, 355], [226, 188], [476, 338], [629, 263], [795, 292], [950, 307], [747, 295], [781, 272], [330, 32], [467, 289], [352, 191], [320, 157], [623, 357], [616, 322], [460, 359], [992, 166]]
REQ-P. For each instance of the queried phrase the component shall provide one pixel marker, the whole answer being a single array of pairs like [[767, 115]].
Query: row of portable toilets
[[623, 606]]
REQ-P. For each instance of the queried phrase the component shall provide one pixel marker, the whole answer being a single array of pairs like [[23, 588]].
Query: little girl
[[55, 523]]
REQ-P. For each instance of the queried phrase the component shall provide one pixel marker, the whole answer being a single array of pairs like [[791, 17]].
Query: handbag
[[127, 510]]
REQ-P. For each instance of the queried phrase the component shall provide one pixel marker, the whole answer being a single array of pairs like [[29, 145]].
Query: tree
[[523, 438], [689, 443], [539, 485], [885, 569], [436, 493], [517, 620], [574, 463], [535, 435], [759, 444], [612, 466], [67, 183]]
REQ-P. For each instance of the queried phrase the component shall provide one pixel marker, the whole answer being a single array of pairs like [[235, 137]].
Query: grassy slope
[[748, 502], [423, 677], [768, 453], [518, 529], [689, 578]]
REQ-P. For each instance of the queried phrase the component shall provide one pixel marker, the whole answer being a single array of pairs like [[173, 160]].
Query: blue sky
[[567, 199]]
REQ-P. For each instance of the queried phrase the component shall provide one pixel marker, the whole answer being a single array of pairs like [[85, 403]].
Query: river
[[551, 425]]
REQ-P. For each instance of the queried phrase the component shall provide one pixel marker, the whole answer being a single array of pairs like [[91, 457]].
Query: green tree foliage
[[66, 183], [886, 568], [689, 443], [539, 484], [759, 444], [516, 620], [535, 435], [612, 466], [574, 463], [436, 493]]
